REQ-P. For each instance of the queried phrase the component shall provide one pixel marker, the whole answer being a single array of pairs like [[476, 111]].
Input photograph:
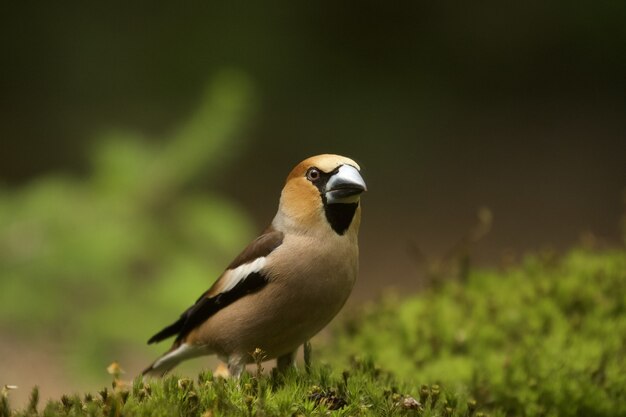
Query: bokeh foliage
[[98, 263], [546, 338]]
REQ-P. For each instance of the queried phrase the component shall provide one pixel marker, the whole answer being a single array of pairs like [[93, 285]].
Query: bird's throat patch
[[340, 216]]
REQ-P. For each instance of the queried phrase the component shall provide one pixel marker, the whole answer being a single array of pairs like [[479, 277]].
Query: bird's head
[[322, 191]]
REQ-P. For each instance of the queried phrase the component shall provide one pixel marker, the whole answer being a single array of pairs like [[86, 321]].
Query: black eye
[[313, 174]]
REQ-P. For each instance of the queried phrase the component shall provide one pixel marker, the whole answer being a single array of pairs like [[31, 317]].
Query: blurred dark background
[[515, 107]]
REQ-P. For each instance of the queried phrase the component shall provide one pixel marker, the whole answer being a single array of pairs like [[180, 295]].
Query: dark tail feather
[[171, 330], [154, 372], [159, 367], [177, 353]]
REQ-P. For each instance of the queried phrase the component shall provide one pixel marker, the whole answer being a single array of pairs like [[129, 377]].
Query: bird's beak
[[345, 186]]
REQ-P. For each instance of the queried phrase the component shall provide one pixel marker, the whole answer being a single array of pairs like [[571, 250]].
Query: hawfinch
[[288, 283]]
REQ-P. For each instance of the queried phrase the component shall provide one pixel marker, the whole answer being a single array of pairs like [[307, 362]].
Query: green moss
[[363, 391], [547, 338]]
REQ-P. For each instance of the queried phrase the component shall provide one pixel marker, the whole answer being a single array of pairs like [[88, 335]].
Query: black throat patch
[[340, 215]]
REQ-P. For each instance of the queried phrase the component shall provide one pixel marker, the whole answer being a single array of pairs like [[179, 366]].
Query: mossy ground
[[365, 390], [546, 338]]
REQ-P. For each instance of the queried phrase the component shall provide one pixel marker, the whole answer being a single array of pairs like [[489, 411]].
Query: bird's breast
[[309, 281], [313, 278], [314, 266]]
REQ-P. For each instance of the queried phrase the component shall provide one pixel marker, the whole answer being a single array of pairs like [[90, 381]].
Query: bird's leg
[[236, 365], [307, 356], [286, 361]]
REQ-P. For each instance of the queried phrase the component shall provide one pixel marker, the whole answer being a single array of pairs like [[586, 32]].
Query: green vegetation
[[546, 338], [366, 390], [93, 262]]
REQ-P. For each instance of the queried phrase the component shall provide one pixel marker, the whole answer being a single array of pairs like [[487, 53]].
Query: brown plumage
[[288, 283]]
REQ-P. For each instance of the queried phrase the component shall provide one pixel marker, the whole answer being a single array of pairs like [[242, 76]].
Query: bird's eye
[[313, 174]]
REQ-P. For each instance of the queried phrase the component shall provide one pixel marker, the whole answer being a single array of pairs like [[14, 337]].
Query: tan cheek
[[302, 200]]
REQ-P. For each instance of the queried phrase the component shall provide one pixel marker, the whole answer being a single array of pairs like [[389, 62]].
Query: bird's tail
[[178, 353]]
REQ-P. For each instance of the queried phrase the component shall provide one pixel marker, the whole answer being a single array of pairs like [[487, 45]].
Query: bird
[[287, 284]]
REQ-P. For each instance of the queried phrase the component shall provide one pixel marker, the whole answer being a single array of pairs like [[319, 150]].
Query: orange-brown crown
[[324, 162]]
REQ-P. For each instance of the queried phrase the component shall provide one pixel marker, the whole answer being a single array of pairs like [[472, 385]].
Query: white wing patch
[[235, 276]]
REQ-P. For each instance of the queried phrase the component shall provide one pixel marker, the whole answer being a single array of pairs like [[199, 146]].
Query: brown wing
[[215, 298]]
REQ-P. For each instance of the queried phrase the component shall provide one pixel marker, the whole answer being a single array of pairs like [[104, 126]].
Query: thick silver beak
[[345, 186]]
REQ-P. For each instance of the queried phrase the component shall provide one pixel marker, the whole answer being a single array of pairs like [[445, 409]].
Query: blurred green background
[[143, 145]]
